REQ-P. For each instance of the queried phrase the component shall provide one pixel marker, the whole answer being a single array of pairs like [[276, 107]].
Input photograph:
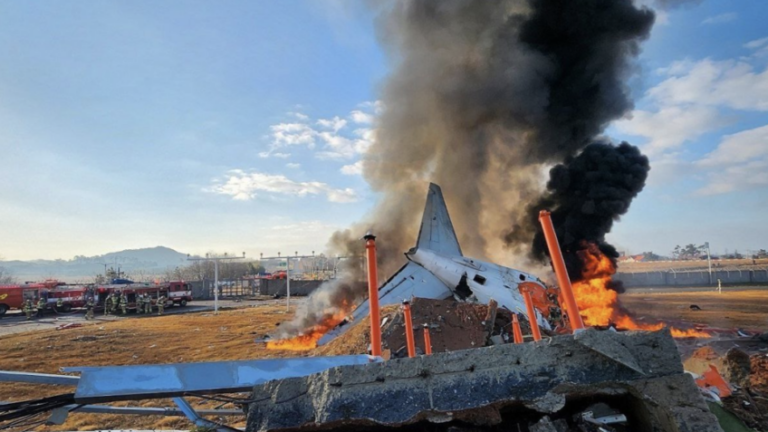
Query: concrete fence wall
[[203, 290], [280, 287], [695, 278]]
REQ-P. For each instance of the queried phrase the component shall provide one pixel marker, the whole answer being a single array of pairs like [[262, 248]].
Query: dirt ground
[[230, 336], [747, 309]]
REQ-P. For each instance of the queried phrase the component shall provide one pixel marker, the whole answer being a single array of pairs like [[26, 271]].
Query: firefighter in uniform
[[160, 304], [123, 304], [28, 309], [89, 309], [40, 307], [108, 304], [59, 304], [140, 304], [149, 305]]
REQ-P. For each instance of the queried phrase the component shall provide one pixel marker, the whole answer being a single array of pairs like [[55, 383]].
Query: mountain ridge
[[149, 260]]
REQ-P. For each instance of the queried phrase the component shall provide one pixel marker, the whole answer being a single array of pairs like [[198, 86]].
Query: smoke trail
[[483, 97]]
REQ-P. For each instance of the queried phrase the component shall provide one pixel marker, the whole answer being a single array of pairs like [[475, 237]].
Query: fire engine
[[175, 293], [14, 296], [75, 296]]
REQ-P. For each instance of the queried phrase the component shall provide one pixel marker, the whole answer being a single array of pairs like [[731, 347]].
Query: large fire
[[307, 340], [599, 304]]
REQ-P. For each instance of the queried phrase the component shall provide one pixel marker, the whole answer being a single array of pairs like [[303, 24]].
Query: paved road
[[15, 321]]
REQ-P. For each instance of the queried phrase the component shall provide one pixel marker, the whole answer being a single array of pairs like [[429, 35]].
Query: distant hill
[[147, 261]]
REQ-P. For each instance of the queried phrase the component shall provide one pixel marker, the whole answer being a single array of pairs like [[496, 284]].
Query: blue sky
[[236, 126]]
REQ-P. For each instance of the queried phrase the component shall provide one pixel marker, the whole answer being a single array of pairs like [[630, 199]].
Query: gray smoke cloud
[[484, 96]]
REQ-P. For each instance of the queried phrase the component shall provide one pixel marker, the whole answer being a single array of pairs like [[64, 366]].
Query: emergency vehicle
[[75, 296], [14, 296], [175, 293]]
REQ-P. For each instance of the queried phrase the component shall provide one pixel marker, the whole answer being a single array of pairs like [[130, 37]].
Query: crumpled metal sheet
[[113, 383]]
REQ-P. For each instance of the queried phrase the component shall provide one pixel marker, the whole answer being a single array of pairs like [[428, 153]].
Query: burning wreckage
[[565, 377]]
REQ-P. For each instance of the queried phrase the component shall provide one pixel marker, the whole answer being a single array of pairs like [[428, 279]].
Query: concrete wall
[[694, 278], [279, 287]]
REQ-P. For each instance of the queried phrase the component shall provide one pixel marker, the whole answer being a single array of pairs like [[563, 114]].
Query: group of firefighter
[[112, 303]]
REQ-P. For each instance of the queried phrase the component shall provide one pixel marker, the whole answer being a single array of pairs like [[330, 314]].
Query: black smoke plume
[[482, 98], [586, 194]]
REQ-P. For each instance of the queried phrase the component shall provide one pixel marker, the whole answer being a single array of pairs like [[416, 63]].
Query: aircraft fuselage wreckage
[[437, 269]]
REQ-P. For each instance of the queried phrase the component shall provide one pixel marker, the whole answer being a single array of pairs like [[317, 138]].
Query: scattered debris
[[68, 326]]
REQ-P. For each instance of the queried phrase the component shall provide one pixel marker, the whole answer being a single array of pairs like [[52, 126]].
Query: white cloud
[[729, 83], [377, 106], [293, 165], [739, 162], [671, 126], [300, 116], [688, 104], [290, 134], [244, 186], [722, 18], [358, 116], [353, 169], [757, 43], [337, 123], [739, 148]]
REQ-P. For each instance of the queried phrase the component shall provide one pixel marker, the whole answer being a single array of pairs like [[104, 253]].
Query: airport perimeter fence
[[203, 290], [677, 278]]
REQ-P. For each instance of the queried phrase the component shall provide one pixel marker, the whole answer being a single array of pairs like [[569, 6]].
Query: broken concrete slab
[[488, 386]]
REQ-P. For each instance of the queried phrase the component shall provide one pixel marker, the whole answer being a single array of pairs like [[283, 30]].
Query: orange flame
[[599, 305], [308, 339]]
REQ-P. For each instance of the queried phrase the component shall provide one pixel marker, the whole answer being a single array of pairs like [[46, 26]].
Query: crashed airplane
[[437, 269]]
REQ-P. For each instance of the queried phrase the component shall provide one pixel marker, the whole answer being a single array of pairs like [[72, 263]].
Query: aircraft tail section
[[436, 232]]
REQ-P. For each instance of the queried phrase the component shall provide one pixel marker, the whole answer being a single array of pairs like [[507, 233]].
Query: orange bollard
[[408, 329], [373, 294], [516, 332], [526, 290], [427, 340], [560, 271]]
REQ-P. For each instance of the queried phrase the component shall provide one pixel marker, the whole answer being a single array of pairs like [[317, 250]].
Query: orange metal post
[[531, 313], [408, 329], [516, 332], [427, 340], [562, 274], [373, 294]]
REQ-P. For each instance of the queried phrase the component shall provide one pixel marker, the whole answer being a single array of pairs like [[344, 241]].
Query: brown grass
[[229, 336], [731, 309], [168, 339]]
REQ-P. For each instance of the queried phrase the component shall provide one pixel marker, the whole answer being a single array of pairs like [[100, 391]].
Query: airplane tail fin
[[436, 232]]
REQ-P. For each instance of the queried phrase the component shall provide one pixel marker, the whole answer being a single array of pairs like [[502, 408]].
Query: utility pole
[[287, 272], [215, 260], [709, 262]]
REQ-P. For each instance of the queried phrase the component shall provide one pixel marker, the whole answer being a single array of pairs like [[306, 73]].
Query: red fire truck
[[75, 296], [175, 293], [14, 296]]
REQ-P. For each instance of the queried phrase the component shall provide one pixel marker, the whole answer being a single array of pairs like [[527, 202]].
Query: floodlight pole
[[215, 260], [709, 262]]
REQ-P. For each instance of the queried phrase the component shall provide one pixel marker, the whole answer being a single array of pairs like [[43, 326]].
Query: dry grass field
[[732, 309], [169, 339], [230, 336]]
